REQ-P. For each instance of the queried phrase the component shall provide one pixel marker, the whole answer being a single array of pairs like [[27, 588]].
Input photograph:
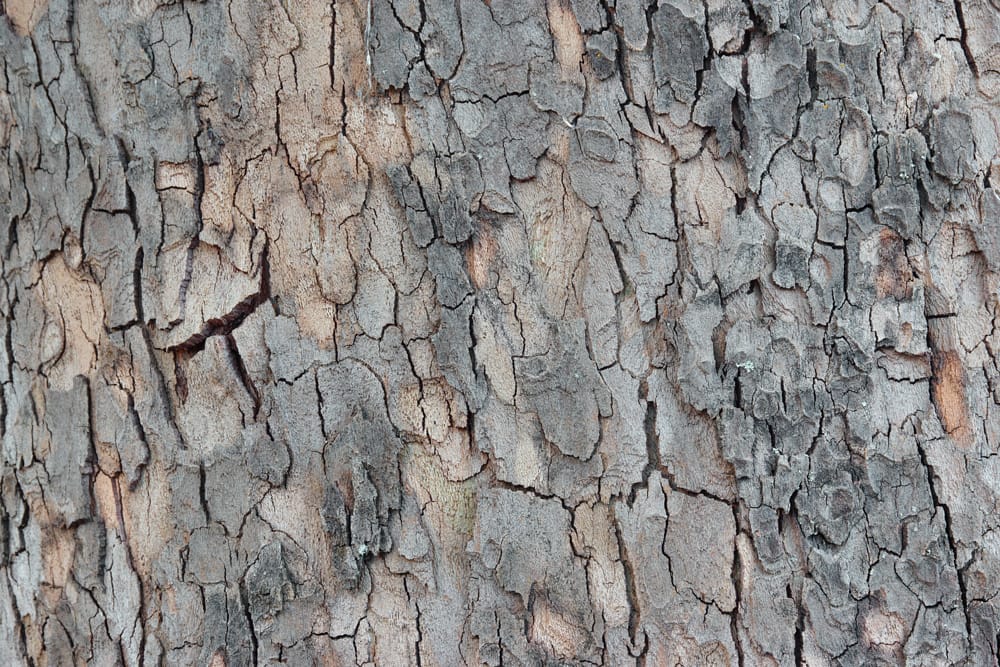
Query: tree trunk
[[411, 332]]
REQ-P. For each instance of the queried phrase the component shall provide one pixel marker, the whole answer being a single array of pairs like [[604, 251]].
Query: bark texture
[[421, 332]]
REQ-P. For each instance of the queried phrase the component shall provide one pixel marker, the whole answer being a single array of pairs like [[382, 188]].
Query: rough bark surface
[[420, 332]]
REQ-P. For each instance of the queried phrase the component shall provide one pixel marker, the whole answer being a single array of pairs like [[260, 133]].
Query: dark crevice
[[652, 444], [949, 533], [634, 614], [236, 359], [137, 424], [799, 624], [736, 575], [226, 324], [87, 207], [811, 73], [244, 602], [119, 510], [201, 493], [737, 390], [960, 15], [137, 285], [319, 409], [161, 384]]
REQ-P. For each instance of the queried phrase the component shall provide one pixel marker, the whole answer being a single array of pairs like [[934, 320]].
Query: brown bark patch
[[893, 276], [948, 391], [175, 176], [884, 629], [57, 551], [74, 319], [24, 14], [480, 256], [566, 37], [555, 632], [104, 493]]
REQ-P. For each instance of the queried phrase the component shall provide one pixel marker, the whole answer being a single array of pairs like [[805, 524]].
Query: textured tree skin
[[434, 332]]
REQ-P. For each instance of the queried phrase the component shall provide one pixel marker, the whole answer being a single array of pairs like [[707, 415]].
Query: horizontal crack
[[226, 324]]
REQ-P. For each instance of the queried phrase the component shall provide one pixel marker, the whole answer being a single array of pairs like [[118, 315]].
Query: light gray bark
[[417, 332]]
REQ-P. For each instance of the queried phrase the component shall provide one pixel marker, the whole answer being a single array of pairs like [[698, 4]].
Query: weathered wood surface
[[500, 332]]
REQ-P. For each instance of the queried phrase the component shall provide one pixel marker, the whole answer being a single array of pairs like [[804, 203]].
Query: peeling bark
[[433, 333]]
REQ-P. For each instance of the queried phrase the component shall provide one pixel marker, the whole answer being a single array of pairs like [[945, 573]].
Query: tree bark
[[412, 332]]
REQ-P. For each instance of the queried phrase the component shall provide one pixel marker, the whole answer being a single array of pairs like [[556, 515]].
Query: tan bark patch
[[74, 319], [25, 14], [58, 549], [948, 391], [480, 257], [114, 505], [883, 628], [554, 632], [105, 495], [566, 36], [175, 176], [317, 319]]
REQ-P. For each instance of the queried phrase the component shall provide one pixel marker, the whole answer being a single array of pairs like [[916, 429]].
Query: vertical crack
[[137, 285], [244, 602], [634, 612], [652, 438], [236, 359], [949, 533], [799, 623], [201, 492], [964, 39], [734, 617], [333, 44]]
